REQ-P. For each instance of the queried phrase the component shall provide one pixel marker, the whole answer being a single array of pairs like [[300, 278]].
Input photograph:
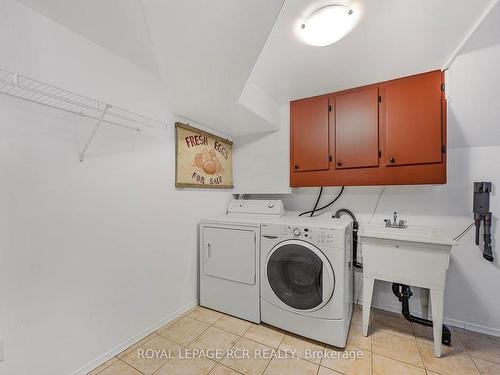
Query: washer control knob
[[296, 231], [270, 204]]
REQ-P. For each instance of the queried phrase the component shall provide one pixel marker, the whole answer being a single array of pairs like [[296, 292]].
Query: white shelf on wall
[[34, 91]]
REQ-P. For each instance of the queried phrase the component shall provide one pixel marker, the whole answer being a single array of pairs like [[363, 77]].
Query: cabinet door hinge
[[443, 149], [380, 99], [330, 158], [379, 153], [442, 86], [329, 108]]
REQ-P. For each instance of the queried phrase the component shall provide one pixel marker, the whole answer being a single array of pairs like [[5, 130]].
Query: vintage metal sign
[[203, 160]]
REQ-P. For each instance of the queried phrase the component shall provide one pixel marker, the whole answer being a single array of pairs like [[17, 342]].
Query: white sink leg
[[367, 302], [437, 302]]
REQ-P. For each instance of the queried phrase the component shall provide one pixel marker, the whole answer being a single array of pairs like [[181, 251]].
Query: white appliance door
[[300, 275], [230, 254]]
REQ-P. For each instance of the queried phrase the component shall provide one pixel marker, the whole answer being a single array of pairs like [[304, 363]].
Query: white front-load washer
[[229, 257], [306, 277]]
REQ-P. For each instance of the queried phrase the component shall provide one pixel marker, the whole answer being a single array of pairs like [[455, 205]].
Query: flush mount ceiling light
[[327, 25]]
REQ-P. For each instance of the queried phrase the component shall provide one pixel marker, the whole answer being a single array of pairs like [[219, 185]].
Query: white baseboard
[[473, 327], [131, 341], [452, 322]]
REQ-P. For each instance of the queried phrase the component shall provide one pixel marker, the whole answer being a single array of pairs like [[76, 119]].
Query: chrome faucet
[[401, 224]]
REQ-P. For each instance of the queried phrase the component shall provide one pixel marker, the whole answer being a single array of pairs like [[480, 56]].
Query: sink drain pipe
[[403, 292], [355, 227]]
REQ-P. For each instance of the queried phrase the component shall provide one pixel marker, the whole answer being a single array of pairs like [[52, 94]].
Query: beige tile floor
[[394, 347]]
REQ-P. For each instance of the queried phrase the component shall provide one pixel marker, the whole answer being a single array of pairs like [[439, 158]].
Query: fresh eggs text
[[205, 159]]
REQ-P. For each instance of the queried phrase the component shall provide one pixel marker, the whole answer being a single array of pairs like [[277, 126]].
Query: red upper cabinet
[[309, 134], [388, 133], [356, 129], [412, 120]]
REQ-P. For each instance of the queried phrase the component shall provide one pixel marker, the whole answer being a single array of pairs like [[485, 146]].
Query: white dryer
[[306, 277], [230, 257]]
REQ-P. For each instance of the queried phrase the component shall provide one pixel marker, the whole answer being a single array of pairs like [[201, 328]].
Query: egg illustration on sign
[[207, 161]]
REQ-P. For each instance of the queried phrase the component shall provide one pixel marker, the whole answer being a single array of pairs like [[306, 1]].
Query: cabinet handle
[[392, 160], [339, 163], [296, 166]]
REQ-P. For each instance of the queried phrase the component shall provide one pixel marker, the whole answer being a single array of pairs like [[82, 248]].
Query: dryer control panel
[[330, 237], [254, 206]]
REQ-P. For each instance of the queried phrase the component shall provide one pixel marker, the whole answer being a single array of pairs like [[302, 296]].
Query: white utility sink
[[420, 234], [415, 256]]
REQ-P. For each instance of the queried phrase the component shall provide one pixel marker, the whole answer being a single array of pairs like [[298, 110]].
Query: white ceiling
[[206, 50], [219, 70], [117, 25], [203, 50], [393, 38], [487, 33]]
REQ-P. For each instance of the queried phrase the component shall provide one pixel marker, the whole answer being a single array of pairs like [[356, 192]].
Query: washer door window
[[300, 275]]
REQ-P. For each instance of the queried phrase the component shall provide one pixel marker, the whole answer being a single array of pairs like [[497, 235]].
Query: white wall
[[472, 282], [257, 101], [261, 161], [91, 254]]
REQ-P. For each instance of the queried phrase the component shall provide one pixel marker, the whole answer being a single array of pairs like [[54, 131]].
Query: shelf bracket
[[97, 126]]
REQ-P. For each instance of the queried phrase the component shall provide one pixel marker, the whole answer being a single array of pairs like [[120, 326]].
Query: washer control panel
[[331, 237], [320, 235]]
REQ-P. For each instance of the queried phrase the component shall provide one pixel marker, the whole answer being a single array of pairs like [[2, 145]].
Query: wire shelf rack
[[18, 86], [34, 91]]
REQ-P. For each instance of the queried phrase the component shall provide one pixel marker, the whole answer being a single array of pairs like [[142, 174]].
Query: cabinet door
[[413, 129], [309, 137], [356, 129]]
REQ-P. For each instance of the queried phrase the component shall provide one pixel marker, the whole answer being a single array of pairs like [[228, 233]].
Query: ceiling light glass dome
[[327, 25]]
